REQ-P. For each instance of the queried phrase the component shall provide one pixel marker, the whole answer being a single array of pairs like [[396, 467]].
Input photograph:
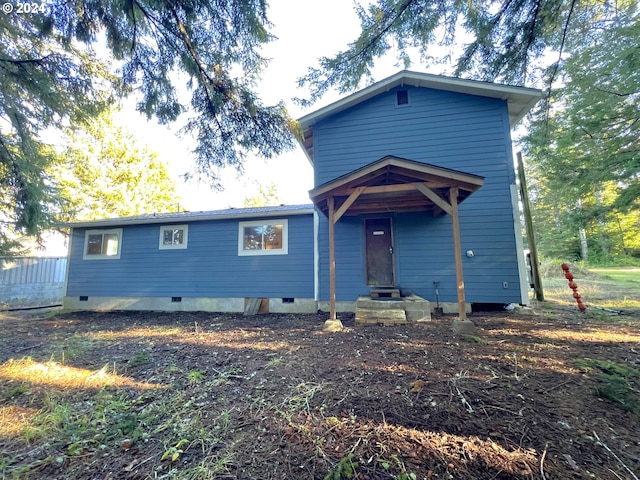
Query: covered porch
[[396, 185]]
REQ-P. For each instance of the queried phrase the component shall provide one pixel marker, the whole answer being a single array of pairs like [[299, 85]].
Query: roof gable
[[519, 99]]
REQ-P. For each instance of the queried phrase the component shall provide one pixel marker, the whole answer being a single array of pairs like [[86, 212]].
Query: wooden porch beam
[[400, 187], [347, 203], [435, 198], [457, 251]]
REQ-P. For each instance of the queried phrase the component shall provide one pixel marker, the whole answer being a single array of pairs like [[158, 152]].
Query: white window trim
[[86, 256], [181, 246], [257, 223]]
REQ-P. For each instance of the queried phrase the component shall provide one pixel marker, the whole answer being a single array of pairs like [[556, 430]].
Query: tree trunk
[[584, 247]]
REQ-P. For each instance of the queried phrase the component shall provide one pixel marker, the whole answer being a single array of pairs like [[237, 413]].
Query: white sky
[[306, 30]]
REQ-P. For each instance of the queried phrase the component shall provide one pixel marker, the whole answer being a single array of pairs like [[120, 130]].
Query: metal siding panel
[[30, 270], [30, 281]]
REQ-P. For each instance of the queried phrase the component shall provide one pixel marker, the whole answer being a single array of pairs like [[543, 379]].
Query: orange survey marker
[[573, 286]]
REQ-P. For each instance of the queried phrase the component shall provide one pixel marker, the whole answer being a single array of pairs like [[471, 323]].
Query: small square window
[[102, 244], [173, 237], [266, 237], [402, 97]]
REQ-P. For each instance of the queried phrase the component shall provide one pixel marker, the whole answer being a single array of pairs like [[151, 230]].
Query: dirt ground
[[274, 397]]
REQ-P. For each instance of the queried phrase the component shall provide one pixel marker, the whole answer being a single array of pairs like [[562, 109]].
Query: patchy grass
[[628, 277], [619, 382], [609, 288]]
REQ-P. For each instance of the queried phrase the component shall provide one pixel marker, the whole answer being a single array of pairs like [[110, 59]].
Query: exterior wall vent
[[402, 97], [176, 299], [287, 300], [84, 298]]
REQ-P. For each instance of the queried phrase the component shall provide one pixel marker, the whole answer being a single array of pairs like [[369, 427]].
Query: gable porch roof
[[393, 184]]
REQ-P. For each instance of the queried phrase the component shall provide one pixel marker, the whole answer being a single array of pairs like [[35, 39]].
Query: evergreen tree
[[50, 77], [104, 172], [585, 148], [513, 41]]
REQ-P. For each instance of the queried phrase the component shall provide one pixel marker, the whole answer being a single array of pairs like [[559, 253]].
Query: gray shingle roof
[[239, 213]]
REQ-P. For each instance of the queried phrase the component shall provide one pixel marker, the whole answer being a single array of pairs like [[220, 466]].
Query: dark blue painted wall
[[462, 132], [452, 130], [209, 267], [423, 254]]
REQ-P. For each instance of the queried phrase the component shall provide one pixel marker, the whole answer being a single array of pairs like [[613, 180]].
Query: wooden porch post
[[332, 259], [453, 199]]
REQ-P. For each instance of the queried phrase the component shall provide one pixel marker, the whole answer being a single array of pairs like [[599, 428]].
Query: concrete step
[[392, 311], [417, 309], [391, 304], [368, 316]]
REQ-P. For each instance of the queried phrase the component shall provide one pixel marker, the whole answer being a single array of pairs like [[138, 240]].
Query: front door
[[379, 251]]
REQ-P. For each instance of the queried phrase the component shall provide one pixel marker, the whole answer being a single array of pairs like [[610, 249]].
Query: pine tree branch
[[376, 38], [617, 94], [565, 30]]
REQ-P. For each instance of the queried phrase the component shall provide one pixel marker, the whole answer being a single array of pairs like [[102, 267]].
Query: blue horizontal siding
[[451, 130], [350, 266], [423, 250], [457, 131], [209, 267], [425, 254]]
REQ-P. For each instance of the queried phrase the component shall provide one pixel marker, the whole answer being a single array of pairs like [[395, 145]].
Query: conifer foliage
[[512, 41], [51, 76]]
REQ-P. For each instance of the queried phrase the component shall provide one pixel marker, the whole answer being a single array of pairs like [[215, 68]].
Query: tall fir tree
[[513, 41], [105, 172], [584, 146], [50, 77]]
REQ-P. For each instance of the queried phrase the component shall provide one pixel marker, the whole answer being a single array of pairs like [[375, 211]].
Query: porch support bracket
[[347, 203], [434, 197]]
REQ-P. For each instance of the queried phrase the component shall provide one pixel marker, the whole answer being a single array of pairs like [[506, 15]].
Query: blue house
[[414, 192]]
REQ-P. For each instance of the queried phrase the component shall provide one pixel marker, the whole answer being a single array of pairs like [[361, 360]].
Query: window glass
[[110, 244], [263, 237], [101, 244], [258, 238], [95, 245], [167, 237], [173, 237]]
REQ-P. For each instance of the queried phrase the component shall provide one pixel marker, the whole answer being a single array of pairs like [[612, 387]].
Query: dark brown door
[[379, 246]]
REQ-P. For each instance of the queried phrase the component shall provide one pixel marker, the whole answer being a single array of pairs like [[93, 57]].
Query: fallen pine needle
[[615, 456]]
